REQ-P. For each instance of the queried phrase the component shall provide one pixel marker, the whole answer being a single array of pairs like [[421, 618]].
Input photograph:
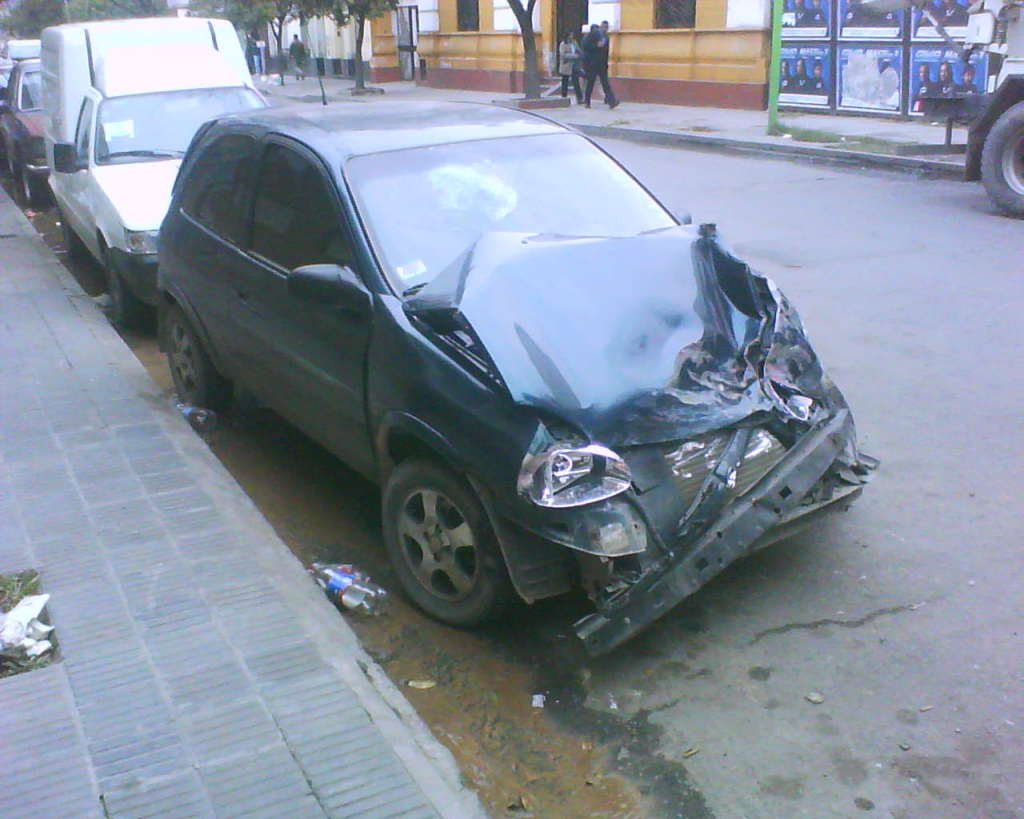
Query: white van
[[123, 100]]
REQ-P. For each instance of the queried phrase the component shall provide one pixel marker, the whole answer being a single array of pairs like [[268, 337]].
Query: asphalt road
[[904, 614]]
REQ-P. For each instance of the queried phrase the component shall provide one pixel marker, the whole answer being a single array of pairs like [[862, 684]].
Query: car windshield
[[424, 207], [147, 126], [31, 97]]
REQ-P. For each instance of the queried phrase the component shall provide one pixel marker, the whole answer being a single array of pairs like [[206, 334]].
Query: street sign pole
[[773, 68]]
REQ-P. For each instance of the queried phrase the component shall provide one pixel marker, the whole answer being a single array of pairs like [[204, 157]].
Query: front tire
[[1002, 161], [442, 547], [126, 309], [196, 380]]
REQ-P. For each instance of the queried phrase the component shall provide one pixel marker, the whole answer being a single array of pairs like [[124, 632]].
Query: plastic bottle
[[345, 585]]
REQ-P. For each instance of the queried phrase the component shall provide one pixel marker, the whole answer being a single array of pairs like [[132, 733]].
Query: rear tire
[[196, 380], [1002, 161], [33, 193], [442, 547], [126, 310]]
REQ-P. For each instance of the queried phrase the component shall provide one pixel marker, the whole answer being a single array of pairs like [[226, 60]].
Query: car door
[[73, 188], [303, 359], [204, 252]]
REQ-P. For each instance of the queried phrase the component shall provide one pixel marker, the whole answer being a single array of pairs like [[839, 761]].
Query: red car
[[21, 132]]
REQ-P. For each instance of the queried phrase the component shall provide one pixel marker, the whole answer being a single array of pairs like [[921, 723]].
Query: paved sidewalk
[[877, 141], [201, 672]]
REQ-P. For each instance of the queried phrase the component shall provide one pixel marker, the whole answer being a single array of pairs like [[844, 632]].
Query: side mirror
[[4, 107], [328, 285], [66, 159], [683, 217]]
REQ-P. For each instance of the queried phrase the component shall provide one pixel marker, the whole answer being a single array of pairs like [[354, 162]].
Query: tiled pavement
[[201, 672]]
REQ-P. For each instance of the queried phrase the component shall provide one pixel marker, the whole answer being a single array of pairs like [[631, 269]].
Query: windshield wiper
[[146, 152], [412, 291]]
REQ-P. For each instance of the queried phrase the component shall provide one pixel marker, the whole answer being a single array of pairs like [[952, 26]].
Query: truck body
[[122, 101], [995, 120]]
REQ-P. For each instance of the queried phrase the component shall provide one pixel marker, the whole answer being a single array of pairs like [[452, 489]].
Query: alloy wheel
[[184, 365], [438, 545]]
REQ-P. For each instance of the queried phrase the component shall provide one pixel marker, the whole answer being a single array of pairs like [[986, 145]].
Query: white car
[[137, 113]]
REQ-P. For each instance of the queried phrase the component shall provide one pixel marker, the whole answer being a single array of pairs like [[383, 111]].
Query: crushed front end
[[683, 418]]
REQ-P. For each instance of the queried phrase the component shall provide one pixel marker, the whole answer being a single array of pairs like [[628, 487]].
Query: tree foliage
[[29, 17], [358, 12]]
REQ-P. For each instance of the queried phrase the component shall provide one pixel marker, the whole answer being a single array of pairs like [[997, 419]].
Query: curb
[[833, 156]]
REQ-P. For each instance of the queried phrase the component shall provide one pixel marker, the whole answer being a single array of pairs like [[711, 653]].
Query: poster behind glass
[[951, 14], [806, 75], [870, 78], [939, 72], [806, 19], [859, 22]]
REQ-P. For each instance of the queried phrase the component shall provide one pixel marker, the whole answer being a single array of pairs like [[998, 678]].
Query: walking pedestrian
[[297, 51], [595, 63], [569, 56], [252, 54]]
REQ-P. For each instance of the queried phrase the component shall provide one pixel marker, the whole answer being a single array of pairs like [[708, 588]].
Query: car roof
[[349, 129]]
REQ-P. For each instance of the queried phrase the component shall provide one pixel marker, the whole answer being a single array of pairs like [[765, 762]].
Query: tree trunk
[[360, 28], [531, 70], [277, 29]]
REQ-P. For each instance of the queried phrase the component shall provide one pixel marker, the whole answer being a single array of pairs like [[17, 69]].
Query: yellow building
[[688, 52]]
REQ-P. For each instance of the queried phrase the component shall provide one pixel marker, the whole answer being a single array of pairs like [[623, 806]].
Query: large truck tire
[[1002, 161]]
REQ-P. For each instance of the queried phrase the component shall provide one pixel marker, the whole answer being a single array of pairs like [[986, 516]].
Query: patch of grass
[[13, 587], [864, 144]]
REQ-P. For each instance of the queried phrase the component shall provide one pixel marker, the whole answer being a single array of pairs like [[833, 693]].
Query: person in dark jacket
[[595, 63]]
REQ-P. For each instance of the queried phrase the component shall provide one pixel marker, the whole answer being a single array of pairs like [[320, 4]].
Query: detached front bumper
[[773, 508]]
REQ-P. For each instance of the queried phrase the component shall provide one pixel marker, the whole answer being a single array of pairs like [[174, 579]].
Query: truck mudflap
[[774, 504]]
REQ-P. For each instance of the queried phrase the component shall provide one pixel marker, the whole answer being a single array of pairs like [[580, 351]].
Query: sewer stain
[[786, 787], [864, 804], [759, 673]]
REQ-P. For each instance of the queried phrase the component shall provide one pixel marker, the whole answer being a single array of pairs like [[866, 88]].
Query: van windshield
[[426, 206], [147, 126]]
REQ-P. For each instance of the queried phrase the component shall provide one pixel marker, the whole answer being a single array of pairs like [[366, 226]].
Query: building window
[[469, 15], [675, 13]]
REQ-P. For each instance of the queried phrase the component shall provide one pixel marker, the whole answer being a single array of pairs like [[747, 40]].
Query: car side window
[[83, 132], [216, 191], [295, 219]]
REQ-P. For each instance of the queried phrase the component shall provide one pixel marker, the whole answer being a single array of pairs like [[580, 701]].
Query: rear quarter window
[[217, 187]]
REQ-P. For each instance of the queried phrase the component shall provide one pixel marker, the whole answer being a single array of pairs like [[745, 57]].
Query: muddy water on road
[[568, 758]]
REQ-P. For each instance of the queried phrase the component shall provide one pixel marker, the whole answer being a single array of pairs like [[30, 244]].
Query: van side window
[[83, 133], [295, 219], [218, 196]]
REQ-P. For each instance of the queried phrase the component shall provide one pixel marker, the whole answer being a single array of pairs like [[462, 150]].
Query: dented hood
[[636, 340]]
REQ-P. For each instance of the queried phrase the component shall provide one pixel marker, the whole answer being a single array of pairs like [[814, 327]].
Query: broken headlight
[[563, 475]]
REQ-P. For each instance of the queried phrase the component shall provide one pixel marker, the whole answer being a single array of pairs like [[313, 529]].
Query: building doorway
[[570, 15], [406, 34]]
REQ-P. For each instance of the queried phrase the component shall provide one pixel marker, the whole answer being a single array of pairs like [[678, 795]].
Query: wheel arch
[[401, 436], [167, 299], [1009, 94]]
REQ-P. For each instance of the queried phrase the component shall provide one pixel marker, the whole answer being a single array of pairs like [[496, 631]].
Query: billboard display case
[[870, 78], [806, 78]]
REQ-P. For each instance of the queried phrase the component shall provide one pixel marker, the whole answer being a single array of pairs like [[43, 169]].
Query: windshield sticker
[[471, 189], [124, 129], [411, 270]]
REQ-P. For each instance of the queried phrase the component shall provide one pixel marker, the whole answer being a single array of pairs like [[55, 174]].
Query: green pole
[[774, 70]]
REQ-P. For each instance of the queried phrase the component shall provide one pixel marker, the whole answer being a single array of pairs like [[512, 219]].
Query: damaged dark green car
[[555, 383]]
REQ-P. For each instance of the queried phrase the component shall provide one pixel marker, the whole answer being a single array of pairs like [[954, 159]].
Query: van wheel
[[196, 380], [126, 310], [442, 547], [1002, 161]]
